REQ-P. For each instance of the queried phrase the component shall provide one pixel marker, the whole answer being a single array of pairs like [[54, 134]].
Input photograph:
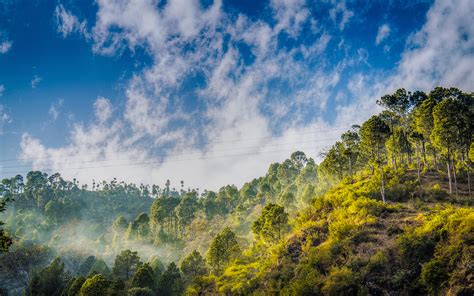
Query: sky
[[210, 92]]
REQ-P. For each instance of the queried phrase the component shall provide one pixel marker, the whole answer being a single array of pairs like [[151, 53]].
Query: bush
[[340, 281], [434, 275], [140, 292]]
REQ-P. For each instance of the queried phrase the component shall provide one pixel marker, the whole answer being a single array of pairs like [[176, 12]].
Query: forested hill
[[387, 211]]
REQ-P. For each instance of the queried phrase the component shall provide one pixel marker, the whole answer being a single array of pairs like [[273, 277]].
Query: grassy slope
[[348, 242]]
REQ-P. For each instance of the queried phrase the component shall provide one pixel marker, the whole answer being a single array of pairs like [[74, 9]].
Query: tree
[[423, 121], [171, 282], [126, 263], [144, 278], [95, 286], [224, 248], [271, 223], [452, 130], [398, 104], [75, 286], [85, 267], [49, 281], [350, 141], [5, 240], [139, 228], [162, 214], [193, 266], [157, 266], [298, 159], [186, 210], [101, 267], [140, 292], [335, 160], [157, 215], [374, 133]]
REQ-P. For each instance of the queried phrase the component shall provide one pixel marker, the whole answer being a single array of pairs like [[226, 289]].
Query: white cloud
[[382, 33], [442, 52], [5, 46], [5, 118], [234, 126], [340, 14], [103, 109], [55, 109], [244, 120], [35, 81], [290, 15], [68, 23]]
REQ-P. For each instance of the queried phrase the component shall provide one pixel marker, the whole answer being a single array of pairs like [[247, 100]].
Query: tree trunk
[[350, 167], [382, 189], [423, 152], [418, 163], [455, 178], [469, 180], [449, 175], [394, 161]]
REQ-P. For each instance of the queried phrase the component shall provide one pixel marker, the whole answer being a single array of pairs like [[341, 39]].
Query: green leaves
[[126, 263], [194, 266], [272, 224], [224, 248]]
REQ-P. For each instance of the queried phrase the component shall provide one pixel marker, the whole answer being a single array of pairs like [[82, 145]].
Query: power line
[[185, 146], [161, 161], [180, 154]]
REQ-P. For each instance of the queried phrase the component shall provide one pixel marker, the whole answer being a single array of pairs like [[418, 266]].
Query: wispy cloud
[[55, 109], [382, 33], [103, 109], [5, 46], [340, 14], [35, 81], [68, 23], [5, 118]]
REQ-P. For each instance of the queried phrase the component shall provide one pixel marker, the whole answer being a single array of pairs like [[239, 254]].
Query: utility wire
[[179, 154], [172, 146], [162, 161]]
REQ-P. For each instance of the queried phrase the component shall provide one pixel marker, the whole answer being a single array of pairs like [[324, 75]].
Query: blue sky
[[209, 92]]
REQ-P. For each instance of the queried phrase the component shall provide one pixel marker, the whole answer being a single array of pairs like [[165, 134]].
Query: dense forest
[[388, 211]]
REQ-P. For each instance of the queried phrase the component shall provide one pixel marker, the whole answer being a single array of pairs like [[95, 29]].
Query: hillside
[[388, 211], [347, 243]]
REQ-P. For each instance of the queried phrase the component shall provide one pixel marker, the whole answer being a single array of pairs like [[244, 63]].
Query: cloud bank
[[258, 100]]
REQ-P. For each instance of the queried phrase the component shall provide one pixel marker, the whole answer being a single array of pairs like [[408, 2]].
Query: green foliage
[[75, 286], [95, 286], [272, 223], [140, 292], [86, 266], [100, 267], [343, 239], [340, 281], [144, 278], [49, 281], [126, 263], [157, 266], [193, 266], [224, 248], [171, 282], [5, 240]]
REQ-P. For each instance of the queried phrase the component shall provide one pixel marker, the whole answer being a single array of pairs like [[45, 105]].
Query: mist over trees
[[388, 210]]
